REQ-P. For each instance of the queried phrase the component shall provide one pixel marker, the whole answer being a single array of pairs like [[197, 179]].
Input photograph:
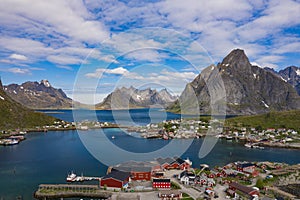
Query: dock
[[74, 178], [50, 191]]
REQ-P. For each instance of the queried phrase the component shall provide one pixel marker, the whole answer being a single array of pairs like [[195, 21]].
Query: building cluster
[[280, 135], [180, 128], [121, 175], [189, 128]]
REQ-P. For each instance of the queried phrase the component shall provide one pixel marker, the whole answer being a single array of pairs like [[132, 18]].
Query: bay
[[48, 157]]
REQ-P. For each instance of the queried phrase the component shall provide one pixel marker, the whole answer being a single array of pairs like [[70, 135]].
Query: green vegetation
[[15, 116], [186, 196], [260, 184], [284, 119], [175, 186]]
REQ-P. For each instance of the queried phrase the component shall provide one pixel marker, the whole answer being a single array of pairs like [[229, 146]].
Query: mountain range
[[238, 86], [290, 74], [234, 83], [125, 98], [14, 115], [38, 95]]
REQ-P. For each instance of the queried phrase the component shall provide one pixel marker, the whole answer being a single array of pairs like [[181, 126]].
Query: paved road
[[190, 191], [136, 196]]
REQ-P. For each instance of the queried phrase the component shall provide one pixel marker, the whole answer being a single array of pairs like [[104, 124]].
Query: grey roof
[[118, 175], [133, 166], [162, 161], [241, 188], [180, 161], [243, 165], [161, 180], [186, 173]]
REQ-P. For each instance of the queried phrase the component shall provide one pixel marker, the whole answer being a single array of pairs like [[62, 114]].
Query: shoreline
[[143, 136]]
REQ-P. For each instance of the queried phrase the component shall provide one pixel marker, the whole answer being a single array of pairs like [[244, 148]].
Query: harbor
[[72, 177]]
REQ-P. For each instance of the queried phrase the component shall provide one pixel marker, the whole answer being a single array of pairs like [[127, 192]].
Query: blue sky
[[101, 45]]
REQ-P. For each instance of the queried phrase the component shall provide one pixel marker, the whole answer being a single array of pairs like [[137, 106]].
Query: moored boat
[[71, 177]]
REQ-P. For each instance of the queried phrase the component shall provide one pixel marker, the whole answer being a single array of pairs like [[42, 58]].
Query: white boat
[[10, 142], [71, 177], [258, 147], [229, 137], [248, 145], [112, 137]]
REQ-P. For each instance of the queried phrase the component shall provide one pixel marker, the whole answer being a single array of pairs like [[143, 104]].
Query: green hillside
[[284, 119], [15, 116]]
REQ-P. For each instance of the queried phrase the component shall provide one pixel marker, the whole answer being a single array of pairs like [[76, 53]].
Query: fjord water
[[48, 157]]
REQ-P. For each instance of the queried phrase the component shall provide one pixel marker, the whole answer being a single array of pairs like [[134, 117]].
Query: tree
[[259, 183]]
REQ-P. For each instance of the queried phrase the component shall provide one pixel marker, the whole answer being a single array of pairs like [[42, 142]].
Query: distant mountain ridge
[[126, 98], [38, 95], [16, 116], [249, 89], [290, 74]]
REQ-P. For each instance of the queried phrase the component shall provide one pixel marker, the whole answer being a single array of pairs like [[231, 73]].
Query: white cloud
[[277, 15], [18, 57], [64, 67], [25, 46], [64, 59], [64, 31], [150, 55], [109, 59], [69, 18], [17, 70], [100, 71]]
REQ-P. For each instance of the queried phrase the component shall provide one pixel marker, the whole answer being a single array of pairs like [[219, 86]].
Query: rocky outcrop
[[249, 89]]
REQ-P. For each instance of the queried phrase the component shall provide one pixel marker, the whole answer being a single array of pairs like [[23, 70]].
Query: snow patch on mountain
[[298, 72], [139, 97], [45, 83], [266, 105], [283, 79]]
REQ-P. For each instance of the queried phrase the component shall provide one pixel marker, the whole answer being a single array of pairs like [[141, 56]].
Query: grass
[[175, 186], [186, 196], [284, 119], [15, 116]]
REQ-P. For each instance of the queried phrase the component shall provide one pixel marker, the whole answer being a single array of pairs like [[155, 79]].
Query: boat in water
[[229, 137], [248, 145], [71, 177], [8, 142]]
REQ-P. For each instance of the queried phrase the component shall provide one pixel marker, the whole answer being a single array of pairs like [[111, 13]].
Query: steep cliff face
[[38, 95], [290, 75], [124, 98], [249, 89]]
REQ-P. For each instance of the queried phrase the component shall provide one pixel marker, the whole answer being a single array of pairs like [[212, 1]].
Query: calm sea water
[[48, 157]]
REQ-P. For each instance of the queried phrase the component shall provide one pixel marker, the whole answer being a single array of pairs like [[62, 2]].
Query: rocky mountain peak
[[38, 95], [131, 97], [45, 83], [249, 89], [236, 58]]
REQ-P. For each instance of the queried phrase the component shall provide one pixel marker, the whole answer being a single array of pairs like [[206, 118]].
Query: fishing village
[[175, 178], [252, 137]]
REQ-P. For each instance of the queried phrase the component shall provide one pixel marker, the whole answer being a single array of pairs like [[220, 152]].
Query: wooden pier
[[50, 191]]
